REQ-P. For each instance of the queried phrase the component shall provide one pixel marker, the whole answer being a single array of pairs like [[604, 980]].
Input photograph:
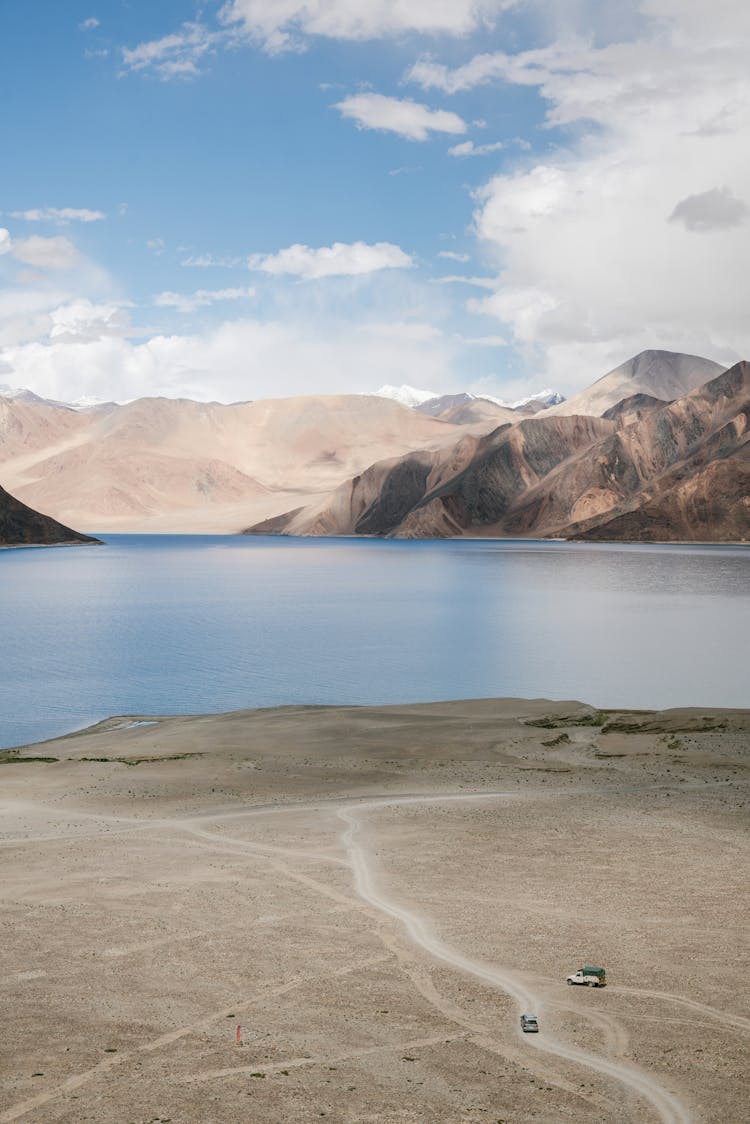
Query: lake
[[185, 624]]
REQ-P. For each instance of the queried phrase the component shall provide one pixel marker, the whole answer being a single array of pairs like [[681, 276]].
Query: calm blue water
[[184, 624]]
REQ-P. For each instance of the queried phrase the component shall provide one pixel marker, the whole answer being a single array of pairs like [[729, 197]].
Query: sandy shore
[[374, 895]]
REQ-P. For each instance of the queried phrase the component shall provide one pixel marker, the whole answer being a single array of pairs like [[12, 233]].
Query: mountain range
[[656, 448], [646, 470]]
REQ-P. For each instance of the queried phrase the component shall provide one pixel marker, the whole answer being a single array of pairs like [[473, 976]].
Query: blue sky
[[258, 198]]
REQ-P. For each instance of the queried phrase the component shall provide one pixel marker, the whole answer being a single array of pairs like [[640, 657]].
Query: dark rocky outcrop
[[22, 526]]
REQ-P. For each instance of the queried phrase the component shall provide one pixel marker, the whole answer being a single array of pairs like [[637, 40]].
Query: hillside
[[22, 526], [649, 471], [177, 465]]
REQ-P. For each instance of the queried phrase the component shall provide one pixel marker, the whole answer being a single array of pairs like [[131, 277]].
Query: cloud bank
[[286, 25], [631, 231]]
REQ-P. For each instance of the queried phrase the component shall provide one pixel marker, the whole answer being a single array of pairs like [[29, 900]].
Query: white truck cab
[[589, 977]]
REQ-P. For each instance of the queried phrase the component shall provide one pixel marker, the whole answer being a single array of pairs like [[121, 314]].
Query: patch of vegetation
[[133, 760], [652, 722], [258, 1075], [11, 757], [554, 721]]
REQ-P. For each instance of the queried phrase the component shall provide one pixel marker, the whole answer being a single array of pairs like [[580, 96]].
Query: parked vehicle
[[529, 1024], [590, 977]]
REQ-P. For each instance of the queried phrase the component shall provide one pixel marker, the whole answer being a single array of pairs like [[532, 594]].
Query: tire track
[[737, 1022], [665, 1105]]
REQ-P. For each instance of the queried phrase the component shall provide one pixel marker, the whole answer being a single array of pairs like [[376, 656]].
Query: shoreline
[[121, 722]]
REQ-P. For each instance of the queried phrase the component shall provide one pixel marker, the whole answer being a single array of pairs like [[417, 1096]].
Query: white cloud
[[717, 209], [201, 298], [59, 215], [240, 359], [6, 243], [452, 255], [284, 24], [156, 245], [459, 279], [429, 74], [25, 312], [484, 341], [89, 24], [177, 55], [81, 320], [409, 119], [45, 253], [209, 261], [590, 268], [342, 259], [468, 148]]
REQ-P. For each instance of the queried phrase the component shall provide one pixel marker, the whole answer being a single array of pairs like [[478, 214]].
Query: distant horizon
[[89, 402], [251, 200]]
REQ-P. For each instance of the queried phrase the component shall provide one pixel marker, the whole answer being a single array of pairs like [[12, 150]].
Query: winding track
[[666, 1107]]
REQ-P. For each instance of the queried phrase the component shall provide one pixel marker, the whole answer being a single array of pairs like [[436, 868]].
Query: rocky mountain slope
[[22, 526], [649, 471], [661, 374]]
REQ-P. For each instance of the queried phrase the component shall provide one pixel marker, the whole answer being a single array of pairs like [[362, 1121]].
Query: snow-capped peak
[[21, 394], [406, 395], [548, 397]]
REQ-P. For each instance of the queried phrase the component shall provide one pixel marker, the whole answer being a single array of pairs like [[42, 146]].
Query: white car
[[529, 1024]]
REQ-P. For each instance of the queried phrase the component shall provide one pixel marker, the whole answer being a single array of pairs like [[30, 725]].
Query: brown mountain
[[660, 374], [464, 409], [22, 526], [177, 465], [650, 471]]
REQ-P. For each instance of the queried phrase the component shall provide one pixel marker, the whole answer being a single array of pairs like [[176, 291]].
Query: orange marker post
[[239, 1035]]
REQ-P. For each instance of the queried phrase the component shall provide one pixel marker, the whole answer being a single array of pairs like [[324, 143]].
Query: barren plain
[[373, 896]]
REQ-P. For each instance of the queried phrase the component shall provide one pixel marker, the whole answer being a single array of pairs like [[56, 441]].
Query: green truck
[[589, 977]]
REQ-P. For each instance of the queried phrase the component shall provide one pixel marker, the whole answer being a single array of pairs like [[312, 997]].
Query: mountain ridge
[[565, 476], [176, 465]]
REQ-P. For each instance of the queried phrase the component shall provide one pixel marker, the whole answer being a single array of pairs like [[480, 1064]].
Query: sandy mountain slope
[[481, 411], [22, 526], [661, 374], [434, 495], [165, 464], [31, 425], [683, 466]]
